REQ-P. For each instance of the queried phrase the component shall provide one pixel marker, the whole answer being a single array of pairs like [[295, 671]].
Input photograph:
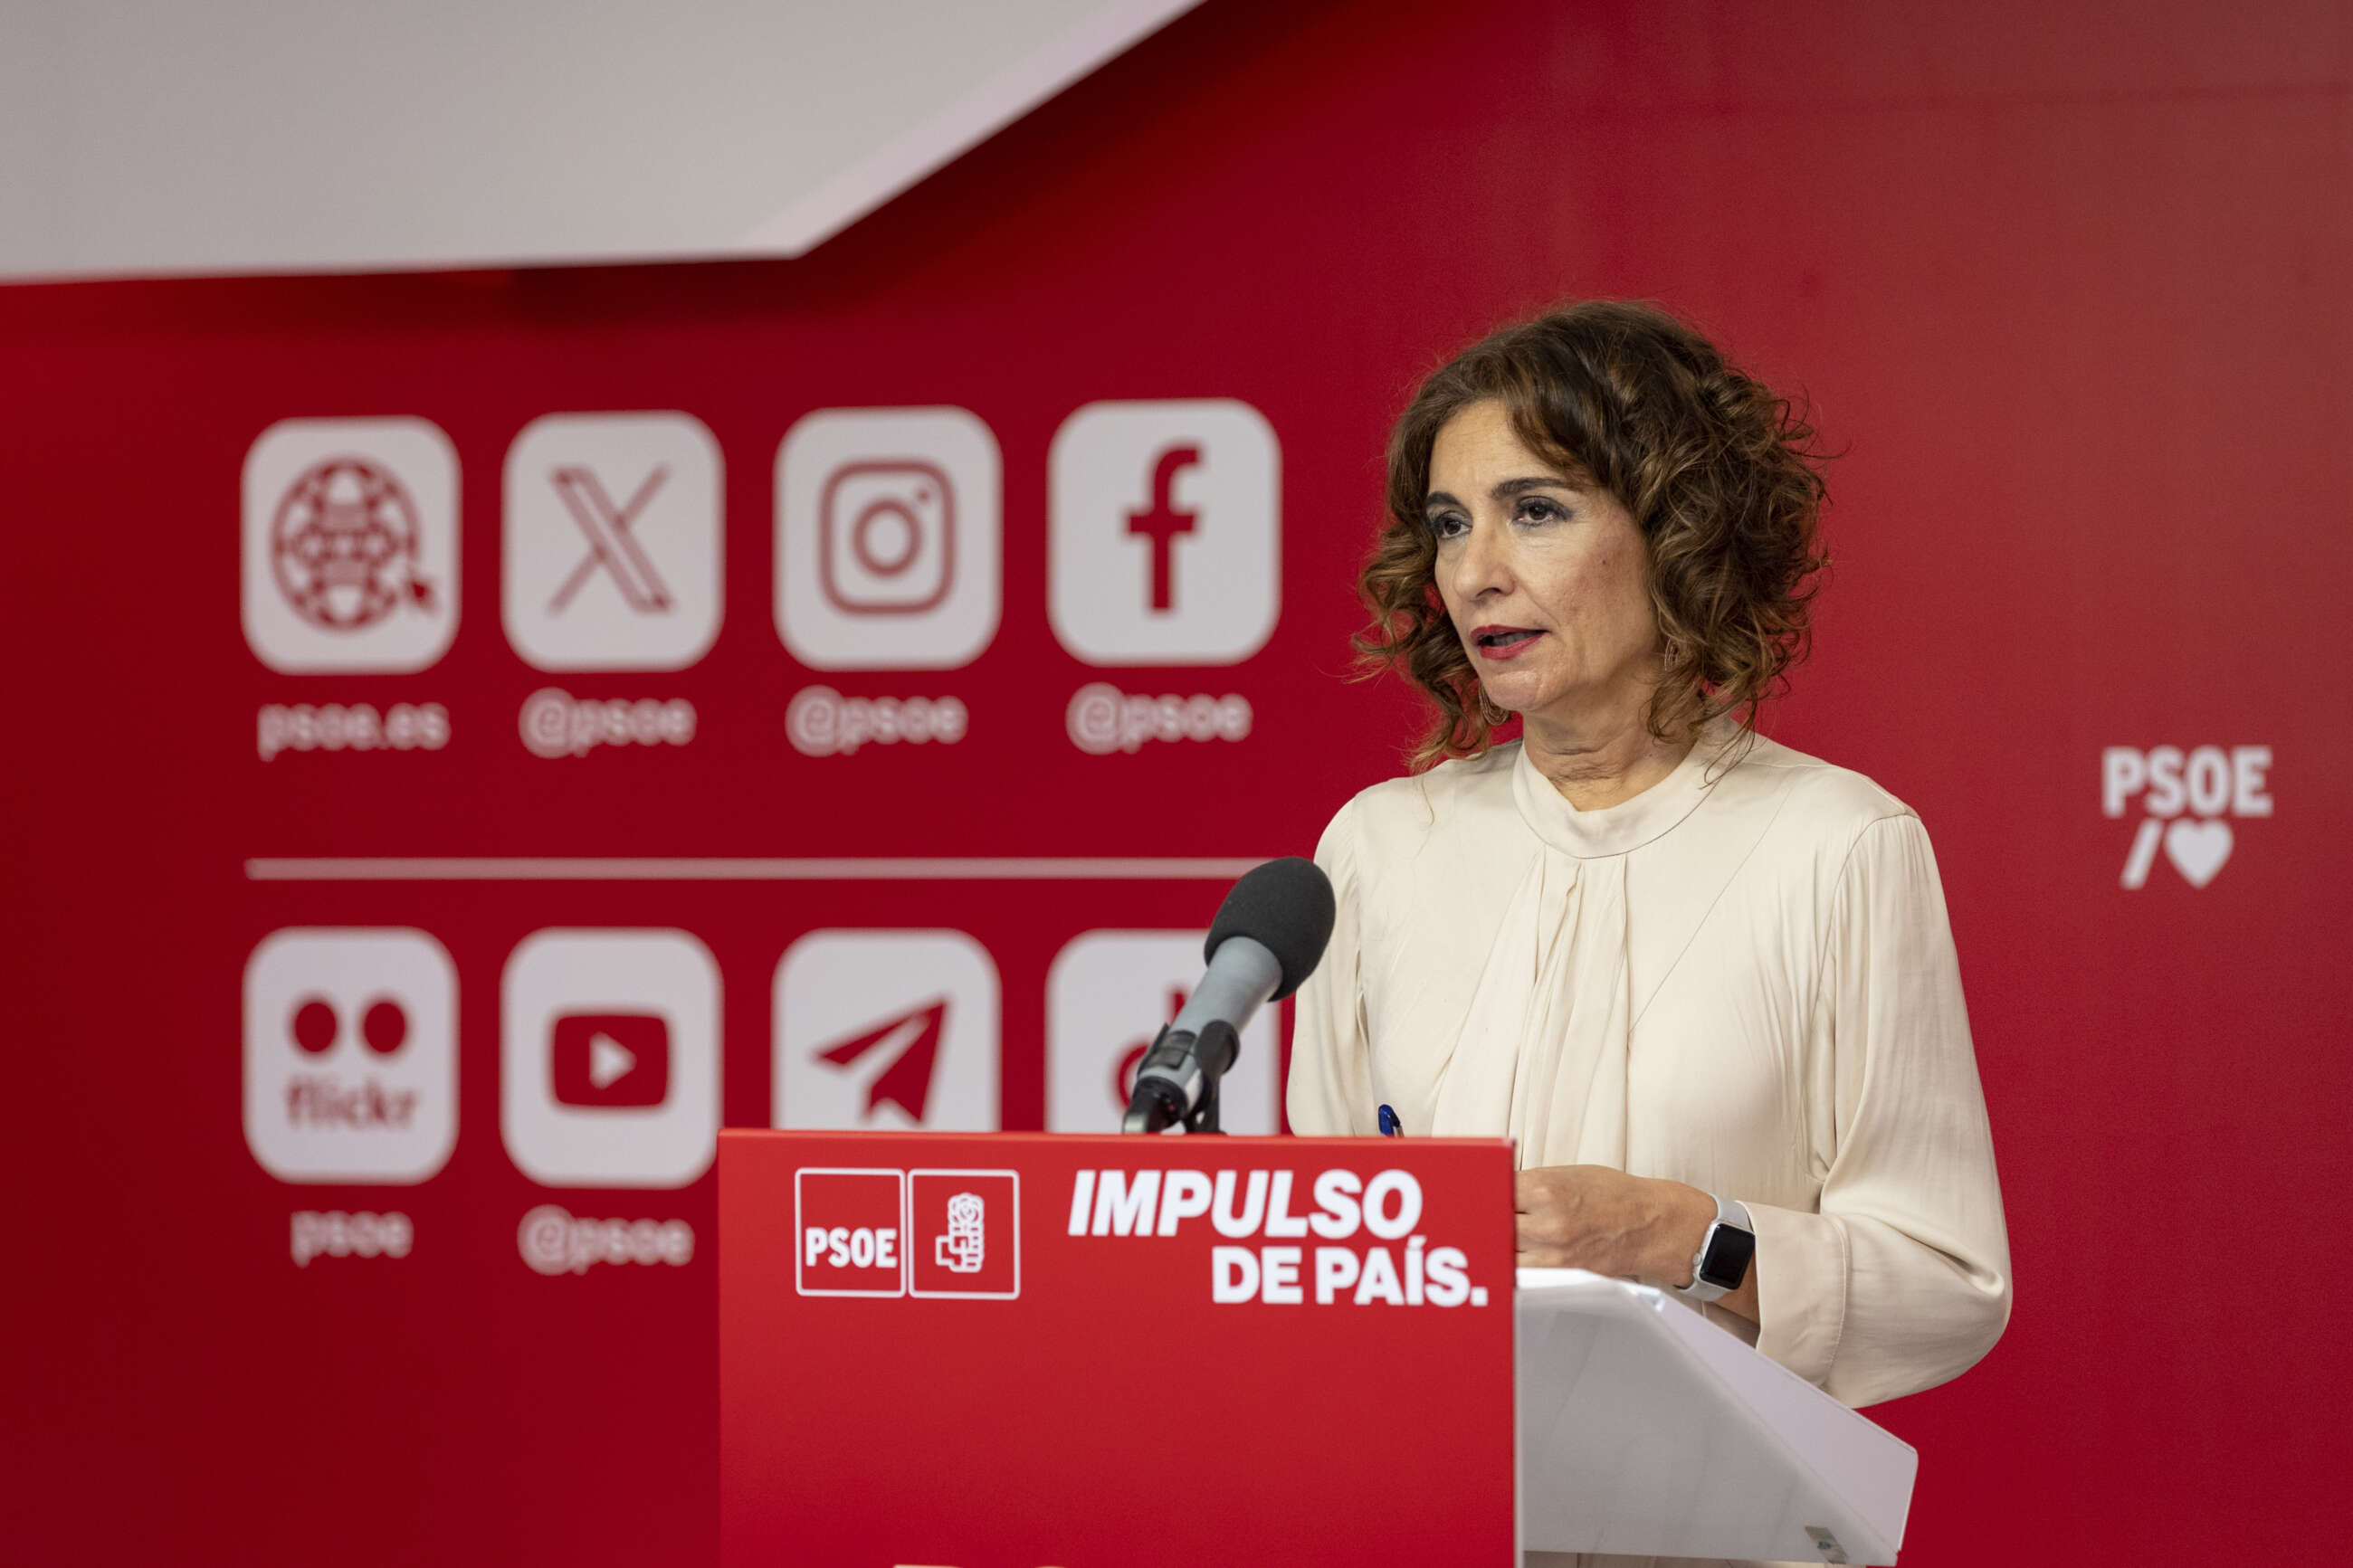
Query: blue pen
[[1390, 1126]]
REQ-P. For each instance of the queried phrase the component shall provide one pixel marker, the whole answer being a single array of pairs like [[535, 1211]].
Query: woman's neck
[[1599, 760]]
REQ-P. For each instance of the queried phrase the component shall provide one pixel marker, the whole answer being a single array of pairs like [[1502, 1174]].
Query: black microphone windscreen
[[1286, 907]]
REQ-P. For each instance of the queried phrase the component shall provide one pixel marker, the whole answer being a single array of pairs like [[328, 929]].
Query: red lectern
[[1016, 1350]]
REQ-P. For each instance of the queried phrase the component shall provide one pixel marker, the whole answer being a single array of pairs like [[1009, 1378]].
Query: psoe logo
[[2188, 797], [864, 1232]]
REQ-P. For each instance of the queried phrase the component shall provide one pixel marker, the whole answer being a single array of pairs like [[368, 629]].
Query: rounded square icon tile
[[1107, 995], [612, 543], [844, 1203], [350, 546], [963, 1234], [608, 1058], [1165, 533], [887, 1029], [889, 539], [351, 1055]]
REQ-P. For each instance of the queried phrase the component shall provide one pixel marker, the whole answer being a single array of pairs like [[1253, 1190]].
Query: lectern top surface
[[1647, 1429]]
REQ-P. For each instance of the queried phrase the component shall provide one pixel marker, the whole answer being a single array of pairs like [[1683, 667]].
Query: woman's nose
[[1483, 564]]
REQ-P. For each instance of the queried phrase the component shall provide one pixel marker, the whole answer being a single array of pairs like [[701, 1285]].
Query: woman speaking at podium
[[1703, 980]]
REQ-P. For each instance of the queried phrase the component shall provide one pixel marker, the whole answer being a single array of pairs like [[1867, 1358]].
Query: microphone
[[1268, 937]]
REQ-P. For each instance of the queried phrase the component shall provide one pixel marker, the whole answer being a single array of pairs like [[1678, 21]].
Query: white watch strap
[[1727, 1212]]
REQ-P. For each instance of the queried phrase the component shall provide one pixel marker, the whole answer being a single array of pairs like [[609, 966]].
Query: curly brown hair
[[1723, 476]]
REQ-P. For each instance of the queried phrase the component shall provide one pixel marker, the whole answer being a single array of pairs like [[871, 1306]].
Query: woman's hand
[[1636, 1227]]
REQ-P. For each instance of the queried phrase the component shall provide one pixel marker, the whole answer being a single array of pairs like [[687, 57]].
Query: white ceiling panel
[[147, 137]]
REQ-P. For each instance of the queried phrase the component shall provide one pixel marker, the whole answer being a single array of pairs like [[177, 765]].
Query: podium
[[1645, 1428], [1023, 1351]]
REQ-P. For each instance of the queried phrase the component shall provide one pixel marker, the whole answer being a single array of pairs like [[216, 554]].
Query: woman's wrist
[[1685, 1218]]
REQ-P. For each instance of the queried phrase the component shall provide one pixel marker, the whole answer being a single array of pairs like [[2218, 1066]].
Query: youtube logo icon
[[608, 1058], [620, 1059]]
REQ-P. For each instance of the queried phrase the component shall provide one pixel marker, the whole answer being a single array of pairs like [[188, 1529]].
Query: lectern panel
[[1082, 1351]]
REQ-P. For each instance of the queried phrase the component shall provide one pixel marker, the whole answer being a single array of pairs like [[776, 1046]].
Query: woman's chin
[[1514, 691]]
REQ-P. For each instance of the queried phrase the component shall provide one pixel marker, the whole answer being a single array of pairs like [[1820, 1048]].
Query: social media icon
[[1165, 533], [963, 1234], [613, 542], [849, 1227], [351, 1055], [608, 1058], [888, 539], [890, 1030], [1107, 995], [350, 545]]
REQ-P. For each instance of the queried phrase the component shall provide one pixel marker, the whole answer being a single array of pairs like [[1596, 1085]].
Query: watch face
[[1729, 1249]]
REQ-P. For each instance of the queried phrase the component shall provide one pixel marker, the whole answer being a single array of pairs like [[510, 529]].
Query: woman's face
[[1547, 581]]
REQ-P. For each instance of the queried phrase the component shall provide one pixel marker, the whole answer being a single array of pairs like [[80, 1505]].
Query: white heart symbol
[[2198, 848]]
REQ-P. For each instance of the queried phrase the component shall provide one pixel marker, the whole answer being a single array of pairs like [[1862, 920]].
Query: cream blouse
[[1741, 978]]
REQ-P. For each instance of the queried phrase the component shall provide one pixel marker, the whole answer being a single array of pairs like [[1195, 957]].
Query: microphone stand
[[1204, 1115], [1158, 1103]]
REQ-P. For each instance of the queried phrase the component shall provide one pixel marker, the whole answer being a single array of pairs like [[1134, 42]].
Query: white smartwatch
[[1723, 1256]]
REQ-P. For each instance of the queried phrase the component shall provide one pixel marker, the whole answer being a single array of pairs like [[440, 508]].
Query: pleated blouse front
[[1741, 978]]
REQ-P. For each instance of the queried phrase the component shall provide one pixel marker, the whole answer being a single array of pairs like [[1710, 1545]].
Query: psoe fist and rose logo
[[2189, 798]]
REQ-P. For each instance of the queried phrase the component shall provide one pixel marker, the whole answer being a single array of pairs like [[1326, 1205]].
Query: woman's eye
[[1447, 525], [1537, 509]]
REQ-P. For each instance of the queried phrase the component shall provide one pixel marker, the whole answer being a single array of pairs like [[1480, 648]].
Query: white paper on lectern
[[1644, 1428]]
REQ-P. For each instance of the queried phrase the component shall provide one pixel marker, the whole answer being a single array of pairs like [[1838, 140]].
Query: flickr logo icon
[[888, 539], [1165, 532], [351, 1055]]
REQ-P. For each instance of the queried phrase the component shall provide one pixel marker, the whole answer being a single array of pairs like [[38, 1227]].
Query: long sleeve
[[1902, 1280], [1330, 1092]]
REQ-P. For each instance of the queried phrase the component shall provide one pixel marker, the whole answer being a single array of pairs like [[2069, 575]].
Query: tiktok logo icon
[[1165, 533]]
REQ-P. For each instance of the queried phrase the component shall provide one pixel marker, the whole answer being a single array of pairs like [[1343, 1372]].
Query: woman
[[1704, 982]]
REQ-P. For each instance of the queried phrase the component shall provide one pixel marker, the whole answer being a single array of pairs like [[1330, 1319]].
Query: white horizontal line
[[557, 868]]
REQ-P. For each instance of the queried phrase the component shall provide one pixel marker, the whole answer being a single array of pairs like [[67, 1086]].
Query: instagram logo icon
[[888, 539]]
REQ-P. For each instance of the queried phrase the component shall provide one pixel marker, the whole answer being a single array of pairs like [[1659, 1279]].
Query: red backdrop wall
[[2064, 283]]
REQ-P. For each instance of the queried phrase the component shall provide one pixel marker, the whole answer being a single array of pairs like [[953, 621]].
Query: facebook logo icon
[[1166, 534], [1162, 522]]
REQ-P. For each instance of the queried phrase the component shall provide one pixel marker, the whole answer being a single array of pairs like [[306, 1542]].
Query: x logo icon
[[609, 542]]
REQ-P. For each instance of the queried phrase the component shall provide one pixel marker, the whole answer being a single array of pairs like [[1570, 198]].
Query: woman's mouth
[[1503, 642]]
